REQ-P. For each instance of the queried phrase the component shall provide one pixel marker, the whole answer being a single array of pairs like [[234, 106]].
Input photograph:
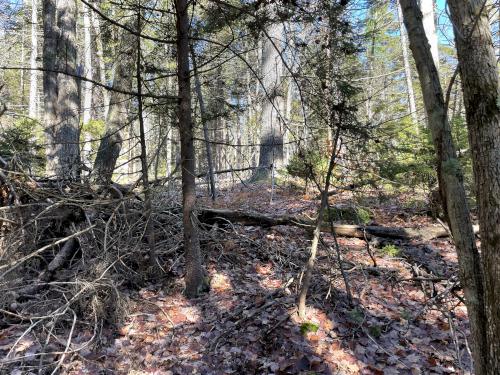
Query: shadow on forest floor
[[247, 323]]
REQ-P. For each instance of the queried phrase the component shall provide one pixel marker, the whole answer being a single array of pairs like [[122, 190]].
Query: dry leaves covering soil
[[406, 316]]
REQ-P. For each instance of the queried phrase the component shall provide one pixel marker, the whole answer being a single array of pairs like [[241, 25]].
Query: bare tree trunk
[[22, 99], [429, 24], [87, 46], [194, 271], [169, 133], [450, 180], [208, 146], [406, 62], [497, 44], [271, 134], [117, 119], [288, 115], [239, 137], [481, 89], [103, 105], [61, 96], [87, 85], [50, 36], [33, 101]]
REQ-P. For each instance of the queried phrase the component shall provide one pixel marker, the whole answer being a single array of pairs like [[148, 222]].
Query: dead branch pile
[[67, 253]]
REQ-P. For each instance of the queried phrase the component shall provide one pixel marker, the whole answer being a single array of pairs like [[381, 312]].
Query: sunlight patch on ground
[[220, 283]]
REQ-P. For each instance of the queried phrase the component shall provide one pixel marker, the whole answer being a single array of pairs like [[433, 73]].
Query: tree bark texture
[[450, 179], [478, 69], [61, 94], [194, 270], [117, 119], [271, 133], [101, 95], [87, 46]]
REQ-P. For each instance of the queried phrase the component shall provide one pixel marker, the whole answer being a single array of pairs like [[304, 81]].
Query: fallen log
[[221, 216]]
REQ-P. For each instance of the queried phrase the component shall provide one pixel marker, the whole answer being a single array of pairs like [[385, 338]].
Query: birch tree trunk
[[497, 44], [271, 134], [406, 62], [429, 22], [33, 101], [288, 136], [194, 271], [450, 180], [61, 94], [481, 90]]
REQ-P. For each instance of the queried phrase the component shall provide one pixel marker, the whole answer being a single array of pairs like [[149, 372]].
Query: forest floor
[[405, 316]]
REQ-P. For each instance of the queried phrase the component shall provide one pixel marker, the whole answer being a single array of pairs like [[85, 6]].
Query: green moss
[[356, 315], [358, 215], [405, 315], [375, 331], [391, 251], [308, 327], [364, 215]]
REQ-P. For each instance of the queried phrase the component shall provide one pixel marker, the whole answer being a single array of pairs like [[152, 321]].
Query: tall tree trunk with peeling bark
[[61, 92], [481, 90], [194, 272], [450, 180]]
